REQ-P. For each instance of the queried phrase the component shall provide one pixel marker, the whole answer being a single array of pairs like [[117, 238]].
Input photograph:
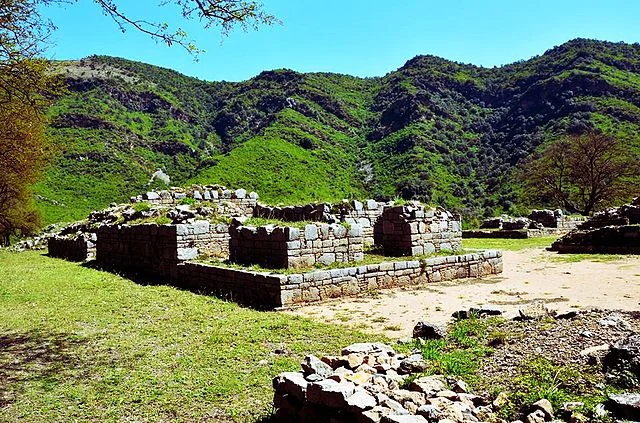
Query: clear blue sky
[[357, 37]]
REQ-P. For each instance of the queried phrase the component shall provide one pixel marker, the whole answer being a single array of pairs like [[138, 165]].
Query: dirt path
[[529, 275]]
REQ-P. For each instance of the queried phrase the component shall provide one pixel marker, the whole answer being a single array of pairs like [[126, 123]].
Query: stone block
[[253, 195], [292, 234], [201, 227], [197, 195], [355, 231], [151, 195], [417, 250], [310, 232], [327, 259], [187, 253], [372, 205], [240, 193]]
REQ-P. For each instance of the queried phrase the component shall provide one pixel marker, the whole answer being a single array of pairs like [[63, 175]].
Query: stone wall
[[78, 248], [606, 240], [308, 212], [228, 202], [291, 248], [270, 290], [256, 289], [156, 249], [555, 219], [412, 230], [364, 214], [326, 284]]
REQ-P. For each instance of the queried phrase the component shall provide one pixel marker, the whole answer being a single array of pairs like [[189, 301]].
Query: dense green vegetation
[[82, 344], [439, 131]]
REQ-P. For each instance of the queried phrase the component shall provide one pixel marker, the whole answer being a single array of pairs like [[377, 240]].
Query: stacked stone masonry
[[162, 250], [157, 249], [292, 248], [228, 202], [272, 290], [413, 230], [77, 248], [364, 214], [322, 285], [606, 240]]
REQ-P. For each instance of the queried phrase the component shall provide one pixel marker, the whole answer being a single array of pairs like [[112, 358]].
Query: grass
[[576, 258], [541, 378], [508, 244], [460, 354], [78, 344]]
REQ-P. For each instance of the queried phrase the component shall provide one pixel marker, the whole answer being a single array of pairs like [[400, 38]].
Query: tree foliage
[[581, 173], [26, 89], [225, 14]]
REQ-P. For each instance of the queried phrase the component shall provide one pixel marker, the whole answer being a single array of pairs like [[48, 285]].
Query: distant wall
[[291, 248], [607, 240], [226, 202]]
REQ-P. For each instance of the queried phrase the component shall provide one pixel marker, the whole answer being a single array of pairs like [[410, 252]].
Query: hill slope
[[440, 131]]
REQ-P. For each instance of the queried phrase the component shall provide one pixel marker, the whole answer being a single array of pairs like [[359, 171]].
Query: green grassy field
[[78, 344], [508, 244]]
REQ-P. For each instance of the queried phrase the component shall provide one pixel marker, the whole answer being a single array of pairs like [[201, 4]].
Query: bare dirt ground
[[529, 275]]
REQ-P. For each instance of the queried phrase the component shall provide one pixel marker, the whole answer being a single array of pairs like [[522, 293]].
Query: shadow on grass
[[147, 279], [34, 356]]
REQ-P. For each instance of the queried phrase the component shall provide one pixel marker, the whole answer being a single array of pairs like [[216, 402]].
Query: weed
[[141, 207]]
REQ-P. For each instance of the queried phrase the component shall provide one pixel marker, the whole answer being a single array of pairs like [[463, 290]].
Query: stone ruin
[[370, 382], [412, 230], [538, 223], [209, 221], [612, 231]]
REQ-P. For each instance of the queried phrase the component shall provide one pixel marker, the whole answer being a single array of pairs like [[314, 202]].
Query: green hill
[[443, 132]]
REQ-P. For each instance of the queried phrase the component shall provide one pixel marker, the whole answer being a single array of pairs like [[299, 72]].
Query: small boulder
[[413, 364], [625, 406], [368, 348], [426, 330], [545, 406], [624, 355], [313, 365]]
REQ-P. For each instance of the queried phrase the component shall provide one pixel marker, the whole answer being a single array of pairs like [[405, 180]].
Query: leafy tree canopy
[[581, 173]]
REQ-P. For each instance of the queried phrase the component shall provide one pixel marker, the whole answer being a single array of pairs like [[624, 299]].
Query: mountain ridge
[[436, 130]]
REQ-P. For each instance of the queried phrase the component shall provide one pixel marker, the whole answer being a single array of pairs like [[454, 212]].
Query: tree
[[581, 173], [27, 87], [226, 14]]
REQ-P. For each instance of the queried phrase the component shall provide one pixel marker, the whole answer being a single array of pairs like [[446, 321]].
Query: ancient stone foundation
[[291, 248], [78, 248], [272, 290], [157, 249], [412, 230], [606, 240], [322, 285]]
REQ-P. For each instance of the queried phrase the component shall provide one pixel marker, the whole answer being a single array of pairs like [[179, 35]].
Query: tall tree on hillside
[[581, 173], [26, 87]]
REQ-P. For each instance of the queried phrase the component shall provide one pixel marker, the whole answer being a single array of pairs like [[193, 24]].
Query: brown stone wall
[[259, 290]]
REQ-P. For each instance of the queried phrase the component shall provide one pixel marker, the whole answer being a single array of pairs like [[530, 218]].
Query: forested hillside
[[439, 131]]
